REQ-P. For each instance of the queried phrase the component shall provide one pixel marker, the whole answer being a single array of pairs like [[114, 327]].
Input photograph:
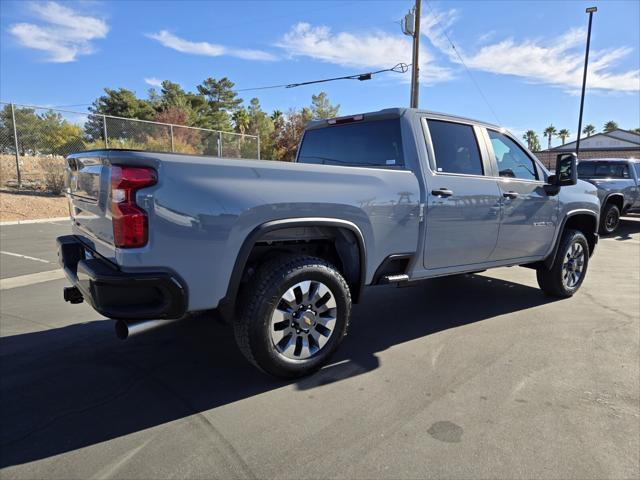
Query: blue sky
[[526, 57]]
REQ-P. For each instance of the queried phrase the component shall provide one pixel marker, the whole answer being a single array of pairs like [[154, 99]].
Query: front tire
[[609, 219], [295, 312], [569, 268]]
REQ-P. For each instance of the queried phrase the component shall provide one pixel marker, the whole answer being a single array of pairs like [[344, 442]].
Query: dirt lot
[[31, 205]]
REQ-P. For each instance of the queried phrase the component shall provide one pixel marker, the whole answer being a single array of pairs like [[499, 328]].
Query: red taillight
[[130, 229]]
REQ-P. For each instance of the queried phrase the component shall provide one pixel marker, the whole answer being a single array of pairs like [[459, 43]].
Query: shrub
[[53, 172]]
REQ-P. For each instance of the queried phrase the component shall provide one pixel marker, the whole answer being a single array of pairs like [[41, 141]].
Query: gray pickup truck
[[283, 249], [618, 183]]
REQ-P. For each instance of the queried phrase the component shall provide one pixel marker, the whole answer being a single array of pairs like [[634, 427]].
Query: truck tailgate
[[88, 191]]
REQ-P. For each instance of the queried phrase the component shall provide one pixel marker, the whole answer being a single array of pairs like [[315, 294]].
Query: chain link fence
[[34, 141]]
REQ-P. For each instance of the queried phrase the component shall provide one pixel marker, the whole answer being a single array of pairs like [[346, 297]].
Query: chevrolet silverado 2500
[[283, 249]]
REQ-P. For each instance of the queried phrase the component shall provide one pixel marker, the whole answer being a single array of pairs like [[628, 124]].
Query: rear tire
[[294, 313], [569, 268], [609, 219]]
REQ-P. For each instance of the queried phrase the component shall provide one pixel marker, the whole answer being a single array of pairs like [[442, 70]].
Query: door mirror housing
[[566, 170]]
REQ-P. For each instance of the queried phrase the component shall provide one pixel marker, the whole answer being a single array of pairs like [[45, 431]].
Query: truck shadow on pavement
[[628, 226], [67, 388]]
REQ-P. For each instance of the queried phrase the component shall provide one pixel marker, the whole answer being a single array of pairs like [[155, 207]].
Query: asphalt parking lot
[[477, 376]]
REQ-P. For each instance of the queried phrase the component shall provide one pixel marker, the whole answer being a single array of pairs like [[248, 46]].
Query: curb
[[37, 220]]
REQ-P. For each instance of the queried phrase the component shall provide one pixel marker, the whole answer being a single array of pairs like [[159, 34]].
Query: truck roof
[[399, 112], [612, 160]]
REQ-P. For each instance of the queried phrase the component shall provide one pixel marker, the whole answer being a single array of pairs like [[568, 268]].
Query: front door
[[529, 215], [463, 203]]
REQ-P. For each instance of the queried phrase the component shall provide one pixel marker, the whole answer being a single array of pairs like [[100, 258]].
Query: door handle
[[511, 195], [442, 192]]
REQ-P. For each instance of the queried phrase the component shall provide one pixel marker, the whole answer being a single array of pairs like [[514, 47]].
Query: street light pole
[[415, 73], [590, 11]]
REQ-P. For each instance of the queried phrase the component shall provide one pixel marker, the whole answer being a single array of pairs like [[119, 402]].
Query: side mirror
[[566, 170]]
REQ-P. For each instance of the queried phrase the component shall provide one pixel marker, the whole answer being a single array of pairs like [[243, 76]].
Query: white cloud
[[557, 61], [174, 42], [153, 81], [63, 34], [365, 50]]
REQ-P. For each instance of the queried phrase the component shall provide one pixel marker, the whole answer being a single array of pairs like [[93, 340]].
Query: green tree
[[57, 136], [27, 125], [610, 126], [321, 107], [564, 134], [220, 99], [636, 130], [589, 130], [172, 95], [533, 143], [261, 124], [118, 103], [549, 132]]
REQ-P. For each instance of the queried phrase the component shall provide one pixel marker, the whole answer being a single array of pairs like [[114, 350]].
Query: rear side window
[[365, 144], [455, 148], [611, 170], [636, 166]]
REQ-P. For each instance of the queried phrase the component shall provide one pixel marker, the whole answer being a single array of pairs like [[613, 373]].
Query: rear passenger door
[[529, 215], [463, 203]]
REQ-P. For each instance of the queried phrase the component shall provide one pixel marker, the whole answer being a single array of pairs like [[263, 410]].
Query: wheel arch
[[616, 198], [585, 221], [275, 230]]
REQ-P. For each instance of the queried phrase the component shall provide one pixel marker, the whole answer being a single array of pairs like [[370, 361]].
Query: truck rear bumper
[[120, 295]]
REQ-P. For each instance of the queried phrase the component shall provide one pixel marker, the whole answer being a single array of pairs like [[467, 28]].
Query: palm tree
[[610, 126], [549, 132], [564, 134], [241, 120], [589, 130], [532, 140]]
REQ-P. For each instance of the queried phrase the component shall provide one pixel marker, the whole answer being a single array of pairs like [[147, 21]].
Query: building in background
[[615, 144]]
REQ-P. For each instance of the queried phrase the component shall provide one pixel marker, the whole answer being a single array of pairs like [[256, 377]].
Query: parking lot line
[[26, 257], [30, 279]]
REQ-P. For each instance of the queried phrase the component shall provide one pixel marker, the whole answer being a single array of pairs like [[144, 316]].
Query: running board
[[395, 278]]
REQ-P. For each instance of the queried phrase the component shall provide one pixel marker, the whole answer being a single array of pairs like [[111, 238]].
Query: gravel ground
[[28, 206]]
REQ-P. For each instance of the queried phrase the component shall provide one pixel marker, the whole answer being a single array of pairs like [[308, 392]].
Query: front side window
[[511, 159], [376, 143], [636, 166], [455, 148]]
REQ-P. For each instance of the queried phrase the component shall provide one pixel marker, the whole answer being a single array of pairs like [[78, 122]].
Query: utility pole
[[590, 11], [411, 28]]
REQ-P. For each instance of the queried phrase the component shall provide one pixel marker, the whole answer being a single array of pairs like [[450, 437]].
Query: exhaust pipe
[[126, 329]]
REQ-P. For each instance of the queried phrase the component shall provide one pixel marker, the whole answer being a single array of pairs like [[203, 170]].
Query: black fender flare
[[609, 197], [227, 303], [548, 262]]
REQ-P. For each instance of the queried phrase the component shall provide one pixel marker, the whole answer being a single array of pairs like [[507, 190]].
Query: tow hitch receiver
[[73, 295]]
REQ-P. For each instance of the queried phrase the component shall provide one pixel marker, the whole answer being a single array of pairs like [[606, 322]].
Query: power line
[[464, 64], [399, 68], [74, 105]]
